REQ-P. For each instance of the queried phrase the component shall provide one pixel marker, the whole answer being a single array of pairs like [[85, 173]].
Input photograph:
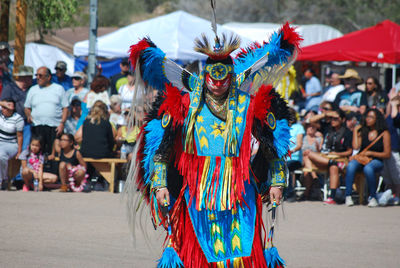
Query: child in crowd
[[32, 160], [72, 166]]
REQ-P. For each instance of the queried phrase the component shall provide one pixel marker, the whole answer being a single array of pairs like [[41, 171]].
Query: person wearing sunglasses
[[60, 77], [46, 107], [375, 96], [78, 90]]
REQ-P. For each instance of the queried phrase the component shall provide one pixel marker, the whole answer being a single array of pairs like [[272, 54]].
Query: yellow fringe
[[238, 262]]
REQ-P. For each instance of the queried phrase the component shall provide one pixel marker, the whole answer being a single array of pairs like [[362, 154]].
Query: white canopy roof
[[173, 33], [312, 34], [38, 55]]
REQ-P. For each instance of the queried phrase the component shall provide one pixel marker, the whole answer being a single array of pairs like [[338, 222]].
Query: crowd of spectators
[[334, 129], [51, 123]]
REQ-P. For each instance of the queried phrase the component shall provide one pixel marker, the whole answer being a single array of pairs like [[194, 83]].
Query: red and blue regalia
[[196, 146]]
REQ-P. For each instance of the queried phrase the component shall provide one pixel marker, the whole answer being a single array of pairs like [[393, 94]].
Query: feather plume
[[229, 44], [214, 17]]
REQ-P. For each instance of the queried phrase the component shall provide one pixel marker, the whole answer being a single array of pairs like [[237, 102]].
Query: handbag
[[363, 159]]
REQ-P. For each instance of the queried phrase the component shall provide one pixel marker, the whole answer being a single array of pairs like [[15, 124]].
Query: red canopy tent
[[379, 43]]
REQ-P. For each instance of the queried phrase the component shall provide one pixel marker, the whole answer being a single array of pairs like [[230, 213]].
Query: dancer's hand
[[161, 195], [276, 193]]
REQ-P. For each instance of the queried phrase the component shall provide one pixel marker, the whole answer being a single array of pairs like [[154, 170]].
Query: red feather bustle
[[175, 104], [134, 51], [262, 102], [290, 34]]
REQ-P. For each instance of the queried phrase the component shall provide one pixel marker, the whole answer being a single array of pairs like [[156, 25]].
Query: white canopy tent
[[38, 55], [312, 34], [173, 33]]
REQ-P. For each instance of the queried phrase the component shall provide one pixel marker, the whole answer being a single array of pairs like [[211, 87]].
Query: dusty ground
[[89, 230]]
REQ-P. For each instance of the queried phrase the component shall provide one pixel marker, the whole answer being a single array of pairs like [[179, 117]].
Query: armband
[[159, 179]]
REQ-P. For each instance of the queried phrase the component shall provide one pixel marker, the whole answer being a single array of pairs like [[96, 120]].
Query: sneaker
[[349, 201], [329, 201], [384, 198], [25, 188], [394, 201], [372, 202]]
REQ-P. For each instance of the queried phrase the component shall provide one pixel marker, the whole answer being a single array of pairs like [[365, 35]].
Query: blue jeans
[[27, 136], [369, 171]]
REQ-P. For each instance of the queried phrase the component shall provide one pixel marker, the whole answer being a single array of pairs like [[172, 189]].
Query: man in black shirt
[[120, 79]]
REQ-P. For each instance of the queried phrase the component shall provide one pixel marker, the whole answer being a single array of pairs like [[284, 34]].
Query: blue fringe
[[153, 138], [282, 137], [152, 68], [272, 258], [169, 259], [277, 55]]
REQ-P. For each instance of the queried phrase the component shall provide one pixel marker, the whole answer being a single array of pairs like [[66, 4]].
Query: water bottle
[[123, 152], [36, 185]]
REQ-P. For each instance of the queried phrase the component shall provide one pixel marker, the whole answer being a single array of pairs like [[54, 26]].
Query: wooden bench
[[106, 168]]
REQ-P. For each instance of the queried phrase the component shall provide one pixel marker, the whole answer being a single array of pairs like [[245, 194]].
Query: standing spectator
[[351, 121], [78, 90], [11, 126], [46, 107], [74, 115], [313, 90], [6, 65], [372, 126], [17, 92], [337, 145], [98, 91], [335, 88], [60, 77], [120, 79], [351, 99], [391, 166], [96, 133], [127, 92], [375, 96]]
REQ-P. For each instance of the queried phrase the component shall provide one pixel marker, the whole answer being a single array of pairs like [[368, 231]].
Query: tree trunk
[[20, 33], [4, 19]]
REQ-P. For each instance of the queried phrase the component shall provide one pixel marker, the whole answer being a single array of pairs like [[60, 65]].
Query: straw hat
[[351, 73]]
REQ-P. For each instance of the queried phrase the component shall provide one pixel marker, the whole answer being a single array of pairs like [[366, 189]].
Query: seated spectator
[[335, 88], [78, 90], [296, 142], [11, 126], [32, 161], [391, 166], [373, 128], [375, 96], [351, 99], [72, 167], [17, 91], [323, 118], [75, 112], [351, 121], [311, 143], [336, 148], [96, 133], [313, 90], [98, 91], [127, 92], [116, 116], [60, 77]]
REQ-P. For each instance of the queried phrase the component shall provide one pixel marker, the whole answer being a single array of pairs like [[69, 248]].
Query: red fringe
[[176, 104], [188, 248], [135, 51], [290, 34], [262, 102]]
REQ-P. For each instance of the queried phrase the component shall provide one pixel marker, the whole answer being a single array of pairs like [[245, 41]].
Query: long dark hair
[[71, 138], [39, 139], [378, 87], [380, 122]]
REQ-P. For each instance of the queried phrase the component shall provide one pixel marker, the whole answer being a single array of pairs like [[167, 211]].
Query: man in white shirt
[[46, 107], [335, 88]]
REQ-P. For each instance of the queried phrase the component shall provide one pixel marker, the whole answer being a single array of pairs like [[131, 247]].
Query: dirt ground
[[53, 229]]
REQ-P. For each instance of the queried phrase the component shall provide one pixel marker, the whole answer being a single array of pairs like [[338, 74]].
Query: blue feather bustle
[[169, 259], [153, 138], [273, 259], [282, 137], [153, 72]]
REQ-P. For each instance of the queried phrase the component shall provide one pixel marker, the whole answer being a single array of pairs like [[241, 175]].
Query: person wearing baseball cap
[[78, 88], [6, 65], [60, 77], [351, 99], [120, 79]]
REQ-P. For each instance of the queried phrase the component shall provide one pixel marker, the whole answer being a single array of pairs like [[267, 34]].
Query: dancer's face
[[218, 87]]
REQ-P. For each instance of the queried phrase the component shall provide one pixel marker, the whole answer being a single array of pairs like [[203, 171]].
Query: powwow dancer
[[193, 151]]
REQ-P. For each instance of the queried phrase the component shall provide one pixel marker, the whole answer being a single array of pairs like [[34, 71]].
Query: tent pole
[[92, 41], [393, 75]]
